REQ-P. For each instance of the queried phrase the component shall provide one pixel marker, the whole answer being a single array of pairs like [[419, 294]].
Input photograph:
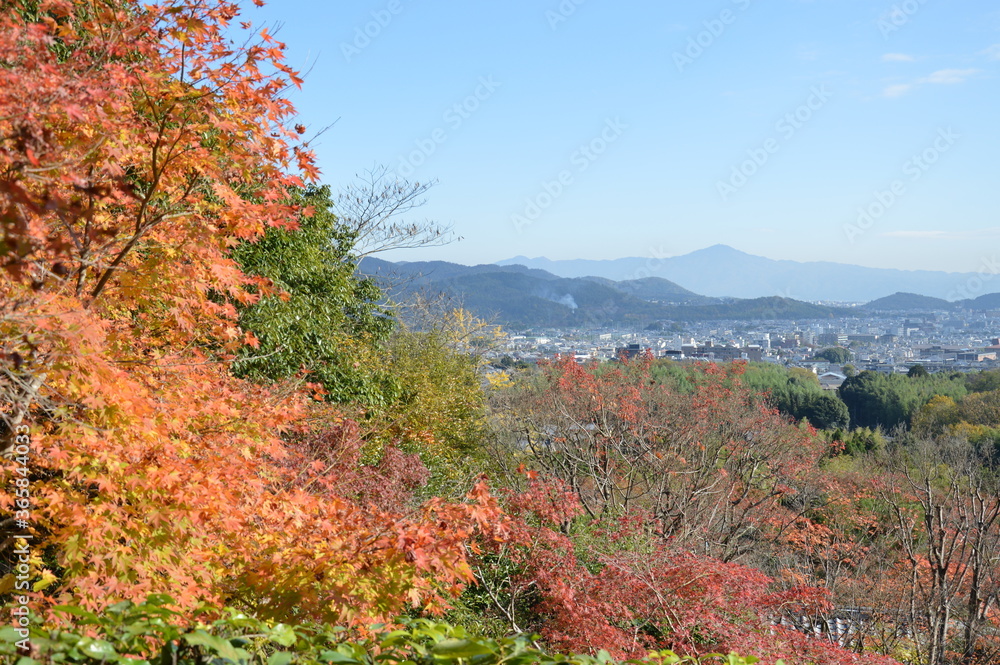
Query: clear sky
[[597, 129]]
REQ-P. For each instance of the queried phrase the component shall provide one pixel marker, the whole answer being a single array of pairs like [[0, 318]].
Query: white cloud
[[940, 77], [993, 52], [897, 57], [897, 90], [949, 76]]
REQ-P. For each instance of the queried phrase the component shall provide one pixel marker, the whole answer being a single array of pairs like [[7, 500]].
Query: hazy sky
[[597, 129]]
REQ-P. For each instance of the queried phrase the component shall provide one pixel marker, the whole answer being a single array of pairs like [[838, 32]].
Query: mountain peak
[[718, 250], [719, 247]]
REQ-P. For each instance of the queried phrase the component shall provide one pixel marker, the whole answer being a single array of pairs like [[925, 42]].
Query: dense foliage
[[890, 400], [150, 632], [794, 392], [200, 397], [635, 502], [319, 319], [835, 354], [146, 147]]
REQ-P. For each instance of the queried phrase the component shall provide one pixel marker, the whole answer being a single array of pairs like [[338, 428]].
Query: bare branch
[[372, 207]]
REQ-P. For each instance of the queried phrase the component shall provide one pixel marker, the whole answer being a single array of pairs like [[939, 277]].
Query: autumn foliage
[[719, 470], [144, 155], [640, 507], [619, 586], [138, 145]]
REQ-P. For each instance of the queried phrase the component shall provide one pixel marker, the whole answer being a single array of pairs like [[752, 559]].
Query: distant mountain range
[[911, 302], [518, 296], [722, 271], [529, 296]]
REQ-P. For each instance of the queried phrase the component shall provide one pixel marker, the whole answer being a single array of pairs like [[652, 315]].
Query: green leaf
[[160, 600], [118, 608], [280, 658], [283, 634], [338, 657], [166, 654], [199, 638], [89, 617], [97, 648], [8, 634], [395, 637], [460, 649]]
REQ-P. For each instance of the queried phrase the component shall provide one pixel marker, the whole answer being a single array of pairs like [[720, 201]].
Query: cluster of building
[[885, 343]]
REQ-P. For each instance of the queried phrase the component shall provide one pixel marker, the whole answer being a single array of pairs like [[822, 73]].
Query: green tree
[[321, 319], [796, 392], [835, 354], [441, 409], [982, 408], [918, 371], [825, 411], [870, 401], [935, 417], [863, 440], [887, 401], [982, 382]]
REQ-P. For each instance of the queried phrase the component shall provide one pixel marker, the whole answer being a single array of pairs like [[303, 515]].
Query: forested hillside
[[220, 445], [522, 297]]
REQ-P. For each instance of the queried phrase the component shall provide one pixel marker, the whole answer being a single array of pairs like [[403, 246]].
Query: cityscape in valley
[[882, 343], [596, 317]]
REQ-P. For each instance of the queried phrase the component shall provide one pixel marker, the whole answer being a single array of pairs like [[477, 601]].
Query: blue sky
[[856, 131]]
